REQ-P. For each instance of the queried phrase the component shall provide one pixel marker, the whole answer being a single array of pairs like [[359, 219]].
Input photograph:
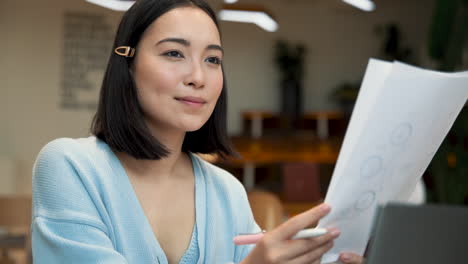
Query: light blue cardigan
[[85, 209]]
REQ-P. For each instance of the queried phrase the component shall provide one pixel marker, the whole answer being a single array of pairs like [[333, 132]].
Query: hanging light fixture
[[249, 14], [117, 5], [365, 5], [235, 13]]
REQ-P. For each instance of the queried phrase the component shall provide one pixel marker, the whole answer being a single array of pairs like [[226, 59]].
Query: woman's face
[[177, 70]]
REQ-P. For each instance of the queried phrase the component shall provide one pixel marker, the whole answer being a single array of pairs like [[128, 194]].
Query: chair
[[15, 218], [266, 208], [301, 182]]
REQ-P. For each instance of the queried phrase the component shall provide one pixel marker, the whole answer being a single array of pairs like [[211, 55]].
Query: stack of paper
[[401, 117]]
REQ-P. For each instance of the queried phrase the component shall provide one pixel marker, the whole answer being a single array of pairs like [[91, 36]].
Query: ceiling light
[[122, 5], [366, 5], [230, 1], [259, 18]]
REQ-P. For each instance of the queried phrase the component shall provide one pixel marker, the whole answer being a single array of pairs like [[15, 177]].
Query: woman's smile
[[191, 101]]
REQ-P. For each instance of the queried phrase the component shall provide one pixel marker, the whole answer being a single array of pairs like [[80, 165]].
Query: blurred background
[[292, 84]]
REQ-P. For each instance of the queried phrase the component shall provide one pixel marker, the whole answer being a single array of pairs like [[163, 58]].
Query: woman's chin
[[192, 126]]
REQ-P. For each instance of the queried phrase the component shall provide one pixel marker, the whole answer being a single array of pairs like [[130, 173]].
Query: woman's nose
[[196, 76]]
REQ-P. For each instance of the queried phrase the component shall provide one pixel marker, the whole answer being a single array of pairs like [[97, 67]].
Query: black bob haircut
[[119, 120]]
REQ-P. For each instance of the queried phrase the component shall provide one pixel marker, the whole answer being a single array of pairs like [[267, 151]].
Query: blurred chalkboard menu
[[87, 43]]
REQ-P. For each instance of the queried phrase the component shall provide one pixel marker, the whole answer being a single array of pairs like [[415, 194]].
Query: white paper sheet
[[401, 117]]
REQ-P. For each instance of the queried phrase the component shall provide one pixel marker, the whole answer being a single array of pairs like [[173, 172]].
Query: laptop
[[419, 234]]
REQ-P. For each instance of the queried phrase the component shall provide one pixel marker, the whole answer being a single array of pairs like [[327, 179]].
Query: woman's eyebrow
[[187, 43], [176, 40], [215, 47]]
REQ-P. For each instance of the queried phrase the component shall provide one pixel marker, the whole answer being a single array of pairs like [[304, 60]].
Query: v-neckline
[[199, 196]]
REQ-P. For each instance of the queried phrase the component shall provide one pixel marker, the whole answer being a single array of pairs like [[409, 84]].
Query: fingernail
[[325, 208], [334, 232], [346, 257]]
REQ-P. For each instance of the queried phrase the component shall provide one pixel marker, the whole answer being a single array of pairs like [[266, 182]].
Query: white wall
[[339, 39], [3, 95], [7, 171], [32, 66]]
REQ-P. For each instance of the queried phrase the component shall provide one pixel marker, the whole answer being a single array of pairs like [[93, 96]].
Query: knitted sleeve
[[67, 226]]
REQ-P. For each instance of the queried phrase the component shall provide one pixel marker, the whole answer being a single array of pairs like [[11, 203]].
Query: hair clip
[[125, 51]]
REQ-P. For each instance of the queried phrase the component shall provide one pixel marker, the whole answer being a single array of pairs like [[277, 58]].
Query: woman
[[134, 192]]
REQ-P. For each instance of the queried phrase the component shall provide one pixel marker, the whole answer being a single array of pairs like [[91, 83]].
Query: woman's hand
[[351, 258], [277, 247]]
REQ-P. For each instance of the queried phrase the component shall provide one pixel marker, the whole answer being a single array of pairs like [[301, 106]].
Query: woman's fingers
[[298, 222], [351, 258], [314, 255], [277, 247], [299, 247]]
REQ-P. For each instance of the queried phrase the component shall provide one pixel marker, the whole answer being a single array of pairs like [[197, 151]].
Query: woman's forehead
[[190, 23]]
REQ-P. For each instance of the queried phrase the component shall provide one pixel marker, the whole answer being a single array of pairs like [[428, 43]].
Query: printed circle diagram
[[365, 201], [401, 134], [371, 167]]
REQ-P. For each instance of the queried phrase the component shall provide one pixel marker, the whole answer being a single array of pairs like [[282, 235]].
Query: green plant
[[448, 33], [392, 48], [392, 45], [449, 168], [290, 61]]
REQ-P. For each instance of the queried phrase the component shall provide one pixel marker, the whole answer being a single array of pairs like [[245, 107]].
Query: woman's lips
[[192, 101]]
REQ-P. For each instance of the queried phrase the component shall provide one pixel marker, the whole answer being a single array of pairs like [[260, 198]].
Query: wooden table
[[279, 149], [296, 147], [322, 118]]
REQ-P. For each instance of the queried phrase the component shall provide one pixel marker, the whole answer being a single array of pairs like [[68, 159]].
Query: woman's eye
[[214, 60], [174, 54]]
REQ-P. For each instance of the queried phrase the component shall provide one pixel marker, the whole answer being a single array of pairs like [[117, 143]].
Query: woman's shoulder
[[77, 149], [67, 182], [69, 146], [67, 155]]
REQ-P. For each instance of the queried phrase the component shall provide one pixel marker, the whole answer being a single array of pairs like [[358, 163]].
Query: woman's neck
[[165, 168]]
